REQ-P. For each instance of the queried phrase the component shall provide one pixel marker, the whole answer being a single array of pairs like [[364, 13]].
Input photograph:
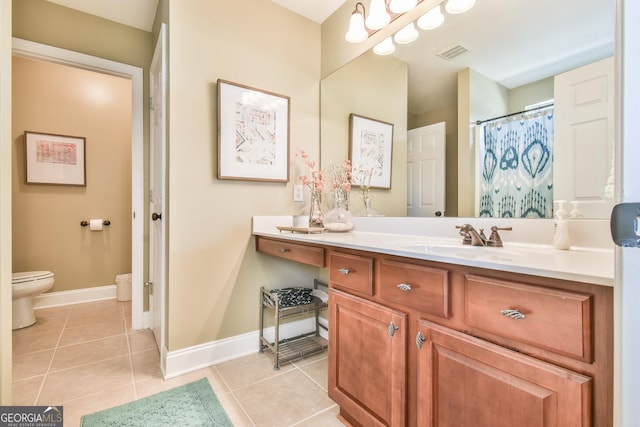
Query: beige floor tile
[[75, 409], [84, 380], [324, 419], [86, 358], [142, 341], [37, 339], [25, 392], [234, 411], [243, 371], [156, 385], [89, 352], [83, 318], [146, 365], [311, 359], [52, 312], [92, 331], [292, 398], [31, 364], [318, 372]]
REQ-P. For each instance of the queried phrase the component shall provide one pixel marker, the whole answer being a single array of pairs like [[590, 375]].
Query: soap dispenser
[[561, 228]]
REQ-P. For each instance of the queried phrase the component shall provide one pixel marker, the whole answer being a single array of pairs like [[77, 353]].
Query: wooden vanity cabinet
[[428, 344], [464, 362], [306, 254], [367, 365], [466, 381]]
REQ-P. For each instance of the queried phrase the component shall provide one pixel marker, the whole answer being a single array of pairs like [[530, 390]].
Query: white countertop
[[583, 264]]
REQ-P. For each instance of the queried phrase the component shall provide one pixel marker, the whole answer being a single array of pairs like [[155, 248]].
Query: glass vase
[[368, 210], [316, 218], [339, 219]]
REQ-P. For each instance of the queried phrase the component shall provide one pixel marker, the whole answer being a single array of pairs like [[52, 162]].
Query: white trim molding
[[76, 296], [189, 359]]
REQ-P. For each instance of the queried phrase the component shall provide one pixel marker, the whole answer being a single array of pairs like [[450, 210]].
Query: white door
[[157, 252], [584, 138], [426, 170]]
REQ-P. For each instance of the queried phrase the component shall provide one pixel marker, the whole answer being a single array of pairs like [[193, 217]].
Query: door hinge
[[149, 286], [152, 103]]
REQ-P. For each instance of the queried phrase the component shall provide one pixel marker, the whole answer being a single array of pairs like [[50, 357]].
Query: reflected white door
[[583, 169], [157, 253], [426, 170]]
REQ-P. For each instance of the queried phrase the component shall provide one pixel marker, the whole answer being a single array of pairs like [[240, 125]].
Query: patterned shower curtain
[[516, 166]]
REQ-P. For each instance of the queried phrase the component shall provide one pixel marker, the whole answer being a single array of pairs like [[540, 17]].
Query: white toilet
[[24, 287]]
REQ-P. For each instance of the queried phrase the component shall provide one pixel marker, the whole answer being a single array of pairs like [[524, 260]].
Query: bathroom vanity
[[426, 331]]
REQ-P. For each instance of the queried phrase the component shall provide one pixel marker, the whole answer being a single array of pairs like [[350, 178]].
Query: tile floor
[[86, 358]]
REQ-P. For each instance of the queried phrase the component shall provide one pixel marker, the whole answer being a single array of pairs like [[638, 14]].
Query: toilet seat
[[30, 276]]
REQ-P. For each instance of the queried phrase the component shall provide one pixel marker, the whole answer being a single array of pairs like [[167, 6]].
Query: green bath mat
[[193, 404]]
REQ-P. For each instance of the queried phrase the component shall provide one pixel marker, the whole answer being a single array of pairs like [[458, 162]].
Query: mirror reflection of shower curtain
[[515, 167]]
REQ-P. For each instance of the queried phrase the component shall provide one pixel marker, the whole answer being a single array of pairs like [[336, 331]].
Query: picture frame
[[370, 151], [55, 159], [253, 133]]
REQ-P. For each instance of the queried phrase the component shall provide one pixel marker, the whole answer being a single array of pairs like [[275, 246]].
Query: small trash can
[[123, 287]]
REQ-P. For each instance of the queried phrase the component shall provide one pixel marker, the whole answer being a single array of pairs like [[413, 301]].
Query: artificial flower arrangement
[[316, 182]]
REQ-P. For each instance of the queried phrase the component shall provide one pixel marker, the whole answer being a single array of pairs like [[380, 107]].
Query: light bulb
[[385, 47], [406, 34], [378, 17], [455, 7], [357, 32], [432, 19], [402, 6]]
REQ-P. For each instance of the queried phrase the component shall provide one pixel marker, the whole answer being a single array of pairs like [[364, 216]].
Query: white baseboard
[[77, 296], [182, 361]]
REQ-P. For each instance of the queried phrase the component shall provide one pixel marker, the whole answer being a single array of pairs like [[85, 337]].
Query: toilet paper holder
[[84, 223]]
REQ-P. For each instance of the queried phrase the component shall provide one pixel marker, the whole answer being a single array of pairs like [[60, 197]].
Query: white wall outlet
[[298, 194]]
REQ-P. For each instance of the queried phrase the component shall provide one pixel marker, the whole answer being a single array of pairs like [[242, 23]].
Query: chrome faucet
[[473, 237]]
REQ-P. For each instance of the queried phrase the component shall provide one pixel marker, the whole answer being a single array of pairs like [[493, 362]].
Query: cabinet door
[[465, 381], [367, 360]]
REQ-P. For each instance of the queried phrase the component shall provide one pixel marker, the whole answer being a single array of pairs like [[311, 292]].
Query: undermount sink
[[475, 252]]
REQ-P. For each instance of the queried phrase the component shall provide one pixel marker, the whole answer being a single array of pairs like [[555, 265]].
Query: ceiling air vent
[[452, 52]]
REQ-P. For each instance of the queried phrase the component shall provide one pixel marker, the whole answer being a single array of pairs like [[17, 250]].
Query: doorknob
[[156, 216]]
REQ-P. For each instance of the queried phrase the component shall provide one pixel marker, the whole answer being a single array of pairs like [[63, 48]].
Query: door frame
[[33, 50]]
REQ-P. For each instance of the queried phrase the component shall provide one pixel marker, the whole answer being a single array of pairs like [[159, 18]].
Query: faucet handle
[[495, 237], [465, 233]]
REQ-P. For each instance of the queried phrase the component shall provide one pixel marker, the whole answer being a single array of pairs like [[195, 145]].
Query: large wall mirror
[[507, 56]]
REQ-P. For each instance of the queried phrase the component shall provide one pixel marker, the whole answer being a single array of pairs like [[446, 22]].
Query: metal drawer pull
[[344, 271], [404, 286], [392, 329], [513, 314], [420, 339], [283, 250]]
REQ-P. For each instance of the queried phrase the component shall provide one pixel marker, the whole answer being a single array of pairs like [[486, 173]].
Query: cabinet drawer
[[417, 286], [351, 272], [292, 251], [552, 319]]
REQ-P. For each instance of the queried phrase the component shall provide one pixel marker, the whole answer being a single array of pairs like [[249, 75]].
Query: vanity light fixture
[[432, 19], [384, 11], [357, 32], [381, 13], [406, 34], [385, 47], [378, 16], [455, 7]]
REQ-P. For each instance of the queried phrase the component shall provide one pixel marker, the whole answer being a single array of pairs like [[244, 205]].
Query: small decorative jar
[[339, 218]]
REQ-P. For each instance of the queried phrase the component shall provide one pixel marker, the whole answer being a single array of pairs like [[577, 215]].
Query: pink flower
[[315, 180], [342, 176]]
